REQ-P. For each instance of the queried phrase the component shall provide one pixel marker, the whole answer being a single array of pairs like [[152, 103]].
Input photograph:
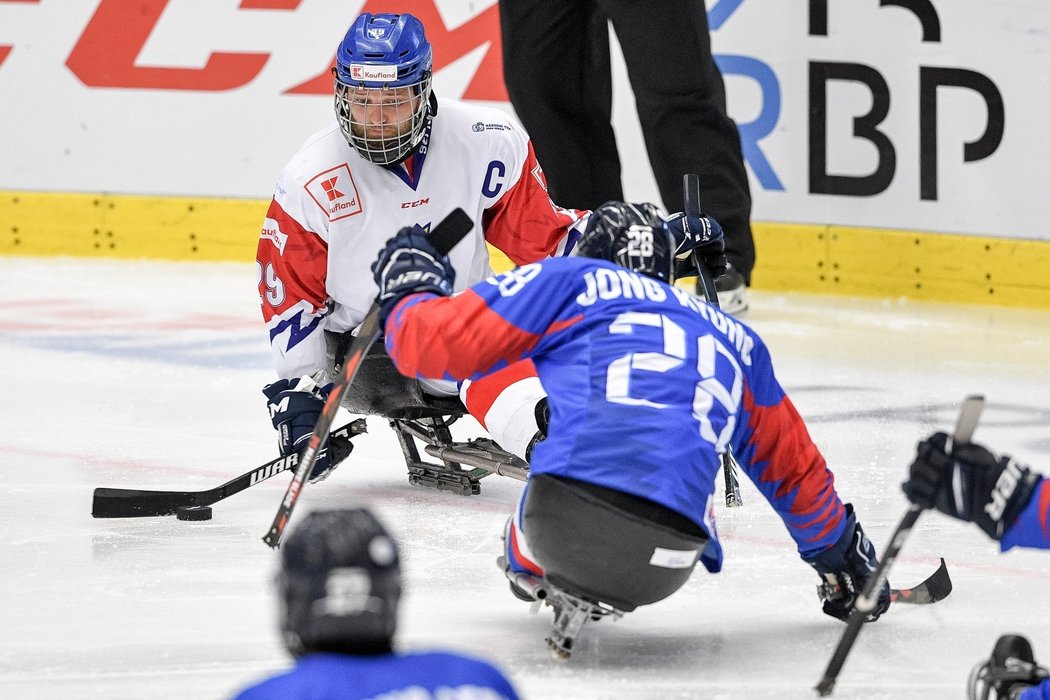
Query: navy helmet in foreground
[[634, 236], [340, 584]]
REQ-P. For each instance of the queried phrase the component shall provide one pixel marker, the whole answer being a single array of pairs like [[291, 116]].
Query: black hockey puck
[[193, 512]]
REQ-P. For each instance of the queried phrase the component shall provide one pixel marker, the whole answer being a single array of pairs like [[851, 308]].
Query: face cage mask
[[383, 150]]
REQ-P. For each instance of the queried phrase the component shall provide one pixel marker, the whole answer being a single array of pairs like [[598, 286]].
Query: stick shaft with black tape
[[445, 235], [964, 427], [141, 503], [691, 199]]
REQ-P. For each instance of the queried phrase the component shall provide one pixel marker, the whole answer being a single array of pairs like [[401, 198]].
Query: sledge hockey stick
[[935, 588], [691, 199], [139, 503], [444, 236], [964, 427]]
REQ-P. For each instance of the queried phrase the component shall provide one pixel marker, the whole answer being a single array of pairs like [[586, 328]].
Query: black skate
[[1009, 672]]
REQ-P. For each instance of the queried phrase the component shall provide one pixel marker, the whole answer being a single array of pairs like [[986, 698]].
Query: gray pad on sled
[[608, 546], [379, 389]]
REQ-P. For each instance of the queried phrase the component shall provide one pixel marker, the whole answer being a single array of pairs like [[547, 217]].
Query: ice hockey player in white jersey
[[396, 156]]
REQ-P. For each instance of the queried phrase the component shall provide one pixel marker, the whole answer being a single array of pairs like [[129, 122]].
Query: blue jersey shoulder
[[418, 676]]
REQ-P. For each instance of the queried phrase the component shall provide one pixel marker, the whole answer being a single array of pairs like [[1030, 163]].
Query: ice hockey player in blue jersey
[[1011, 504], [647, 385], [339, 589]]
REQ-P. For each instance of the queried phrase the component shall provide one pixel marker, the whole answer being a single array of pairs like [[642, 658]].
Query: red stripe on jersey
[[483, 392], [1044, 508], [294, 261], [529, 564], [794, 464], [525, 224], [453, 337]]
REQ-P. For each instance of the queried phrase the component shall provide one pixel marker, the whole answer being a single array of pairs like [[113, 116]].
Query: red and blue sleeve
[[483, 329], [776, 451], [525, 224], [1032, 528], [452, 337], [294, 264], [293, 268]]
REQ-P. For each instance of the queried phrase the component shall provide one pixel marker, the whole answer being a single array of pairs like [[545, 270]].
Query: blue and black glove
[[295, 405], [970, 484], [408, 264], [845, 568], [703, 235]]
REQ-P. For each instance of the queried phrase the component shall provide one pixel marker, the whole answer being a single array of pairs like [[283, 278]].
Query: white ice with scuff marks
[[135, 374]]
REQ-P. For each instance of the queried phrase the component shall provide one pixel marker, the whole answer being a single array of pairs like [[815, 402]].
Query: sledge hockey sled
[[418, 418]]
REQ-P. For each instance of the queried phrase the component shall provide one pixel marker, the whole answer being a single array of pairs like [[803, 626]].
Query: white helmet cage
[[382, 130]]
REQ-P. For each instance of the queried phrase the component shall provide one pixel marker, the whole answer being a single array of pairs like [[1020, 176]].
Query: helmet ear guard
[[634, 236], [384, 59]]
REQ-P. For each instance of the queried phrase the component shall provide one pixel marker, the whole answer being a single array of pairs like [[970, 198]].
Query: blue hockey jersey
[[1039, 692], [647, 385], [1032, 528], [389, 677]]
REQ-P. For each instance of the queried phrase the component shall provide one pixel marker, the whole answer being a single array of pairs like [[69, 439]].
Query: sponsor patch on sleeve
[[271, 231]]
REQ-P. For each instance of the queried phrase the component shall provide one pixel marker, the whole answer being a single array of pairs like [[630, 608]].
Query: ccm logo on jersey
[[417, 203], [335, 191]]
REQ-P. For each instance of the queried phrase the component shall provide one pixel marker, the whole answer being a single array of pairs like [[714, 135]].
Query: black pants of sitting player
[[558, 73]]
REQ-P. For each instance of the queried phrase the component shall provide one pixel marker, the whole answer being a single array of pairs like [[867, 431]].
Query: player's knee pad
[[516, 551], [608, 546], [505, 403]]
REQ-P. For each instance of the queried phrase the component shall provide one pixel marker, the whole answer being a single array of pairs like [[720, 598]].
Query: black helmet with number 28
[[634, 236]]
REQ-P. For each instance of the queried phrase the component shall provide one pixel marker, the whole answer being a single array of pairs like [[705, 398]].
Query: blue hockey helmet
[[383, 70], [339, 584], [634, 236]]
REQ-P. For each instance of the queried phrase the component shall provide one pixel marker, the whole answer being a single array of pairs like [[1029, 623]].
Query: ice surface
[[148, 375]]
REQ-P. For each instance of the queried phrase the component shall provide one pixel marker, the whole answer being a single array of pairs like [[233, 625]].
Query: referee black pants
[[557, 70]]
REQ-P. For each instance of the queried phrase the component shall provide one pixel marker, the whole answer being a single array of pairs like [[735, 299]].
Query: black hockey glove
[[407, 265], [703, 235], [295, 405], [970, 484], [845, 568]]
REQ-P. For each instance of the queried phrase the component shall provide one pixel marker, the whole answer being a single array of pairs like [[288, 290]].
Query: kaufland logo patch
[[360, 71], [335, 191]]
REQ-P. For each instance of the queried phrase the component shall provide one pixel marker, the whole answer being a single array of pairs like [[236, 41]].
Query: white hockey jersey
[[333, 211]]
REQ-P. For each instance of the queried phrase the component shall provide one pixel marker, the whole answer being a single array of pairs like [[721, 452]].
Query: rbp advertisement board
[[926, 114]]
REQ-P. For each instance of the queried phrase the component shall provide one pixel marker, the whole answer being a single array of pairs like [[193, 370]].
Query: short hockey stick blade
[[937, 587], [866, 601], [141, 503], [444, 236]]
